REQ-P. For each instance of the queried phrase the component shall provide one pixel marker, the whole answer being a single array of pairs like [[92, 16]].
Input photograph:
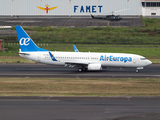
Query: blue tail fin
[[25, 42]]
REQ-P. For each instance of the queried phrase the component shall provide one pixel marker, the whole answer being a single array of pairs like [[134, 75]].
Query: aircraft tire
[[80, 69], [137, 71]]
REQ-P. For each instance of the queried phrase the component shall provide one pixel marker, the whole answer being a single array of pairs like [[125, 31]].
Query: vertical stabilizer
[[25, 42]]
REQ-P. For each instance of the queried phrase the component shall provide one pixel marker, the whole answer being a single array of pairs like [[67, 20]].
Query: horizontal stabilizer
[[21, 53]]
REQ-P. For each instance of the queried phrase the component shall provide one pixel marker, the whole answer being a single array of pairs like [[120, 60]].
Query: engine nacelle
[[94, 67]]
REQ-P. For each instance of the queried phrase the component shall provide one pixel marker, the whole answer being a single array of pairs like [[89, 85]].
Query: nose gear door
[[134, 60]]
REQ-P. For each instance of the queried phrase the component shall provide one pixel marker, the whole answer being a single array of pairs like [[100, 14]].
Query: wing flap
[[77, 63]]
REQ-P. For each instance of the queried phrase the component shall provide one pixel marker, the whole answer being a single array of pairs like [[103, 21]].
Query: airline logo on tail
[[52, 56], [24, 41]]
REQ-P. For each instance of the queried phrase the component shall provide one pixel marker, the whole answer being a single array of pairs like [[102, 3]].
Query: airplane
[[83, 60]]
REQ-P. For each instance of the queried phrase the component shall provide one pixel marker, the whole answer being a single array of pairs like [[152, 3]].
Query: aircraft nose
[[149, 62]]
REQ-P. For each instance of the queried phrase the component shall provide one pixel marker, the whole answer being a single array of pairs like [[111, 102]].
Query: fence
[[107, 44]]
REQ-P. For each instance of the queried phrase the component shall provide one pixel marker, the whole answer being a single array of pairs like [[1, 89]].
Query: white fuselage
[[105, 59]]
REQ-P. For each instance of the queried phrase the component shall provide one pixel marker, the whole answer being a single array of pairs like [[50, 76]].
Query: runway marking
[[157, 75]]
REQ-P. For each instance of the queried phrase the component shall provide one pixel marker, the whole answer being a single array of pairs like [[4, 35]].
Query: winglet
[[52, 57], [75, 49]]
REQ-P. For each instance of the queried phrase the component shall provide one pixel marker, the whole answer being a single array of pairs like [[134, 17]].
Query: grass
[[8, 59], [154, 61], [151, 52], [99, 35], [144, 40], [79, 87], [149, 34]]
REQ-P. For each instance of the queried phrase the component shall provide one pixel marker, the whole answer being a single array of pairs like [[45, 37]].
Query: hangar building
[[150, 7], [71, 8]]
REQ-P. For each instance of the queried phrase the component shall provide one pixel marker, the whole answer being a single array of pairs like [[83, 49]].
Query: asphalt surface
[[76, 108], [69, 22], [79, 108], [42, 70]]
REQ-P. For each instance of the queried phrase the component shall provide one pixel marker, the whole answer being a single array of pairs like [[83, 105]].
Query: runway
[[42, 70], [79, 108]]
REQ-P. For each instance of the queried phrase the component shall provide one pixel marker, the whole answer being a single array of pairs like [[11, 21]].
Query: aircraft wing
[[77, 63], [52, 8], [41, 8]]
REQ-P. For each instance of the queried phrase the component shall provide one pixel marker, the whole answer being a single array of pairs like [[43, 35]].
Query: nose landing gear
[[138, 68], [137, 71]]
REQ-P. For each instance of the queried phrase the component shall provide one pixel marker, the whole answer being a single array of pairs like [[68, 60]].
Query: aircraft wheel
[[80, 69], [137, 71]]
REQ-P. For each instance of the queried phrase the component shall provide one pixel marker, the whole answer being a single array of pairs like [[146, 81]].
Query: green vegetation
[[151, 52], [10, 59], [151, 23], [79, 87], [99, 35], [149, 34], [144, 40]]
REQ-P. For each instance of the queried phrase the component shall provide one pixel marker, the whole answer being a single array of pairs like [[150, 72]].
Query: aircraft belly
[[28, 57], [116, 64]]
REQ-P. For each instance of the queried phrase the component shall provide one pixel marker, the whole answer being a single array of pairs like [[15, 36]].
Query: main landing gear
[[82, 69]]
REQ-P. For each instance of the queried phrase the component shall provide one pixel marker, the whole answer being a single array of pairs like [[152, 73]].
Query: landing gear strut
[[82, 69], [138, 68]]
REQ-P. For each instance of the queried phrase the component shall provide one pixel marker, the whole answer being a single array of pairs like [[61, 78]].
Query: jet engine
[[94, 67]]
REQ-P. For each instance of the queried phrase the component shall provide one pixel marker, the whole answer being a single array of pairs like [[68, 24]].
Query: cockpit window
[[142, 58]]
